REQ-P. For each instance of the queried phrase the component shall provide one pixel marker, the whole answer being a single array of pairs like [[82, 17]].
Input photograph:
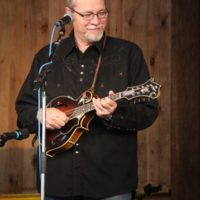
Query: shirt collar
[[68, 44], [100, 44]]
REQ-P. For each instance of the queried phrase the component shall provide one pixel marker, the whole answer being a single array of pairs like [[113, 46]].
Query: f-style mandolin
[[80, 114]]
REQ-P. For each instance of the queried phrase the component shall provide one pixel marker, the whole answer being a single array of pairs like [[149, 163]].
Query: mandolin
[[80, 114]]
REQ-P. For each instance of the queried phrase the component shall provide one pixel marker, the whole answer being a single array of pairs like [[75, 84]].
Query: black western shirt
[[104, 161]]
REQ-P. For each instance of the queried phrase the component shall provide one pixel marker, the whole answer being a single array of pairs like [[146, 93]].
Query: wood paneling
[[185, 100], [26, 26], [169, 38]]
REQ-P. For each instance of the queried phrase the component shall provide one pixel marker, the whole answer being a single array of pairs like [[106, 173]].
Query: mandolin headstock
[[144, 92]]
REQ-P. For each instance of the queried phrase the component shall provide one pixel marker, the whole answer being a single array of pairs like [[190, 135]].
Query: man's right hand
[[55, 119]]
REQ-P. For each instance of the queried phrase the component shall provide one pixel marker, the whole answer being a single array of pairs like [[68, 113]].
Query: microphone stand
[[40, 84]]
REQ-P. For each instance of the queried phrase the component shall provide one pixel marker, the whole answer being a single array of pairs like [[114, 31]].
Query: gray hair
[[70, 3]]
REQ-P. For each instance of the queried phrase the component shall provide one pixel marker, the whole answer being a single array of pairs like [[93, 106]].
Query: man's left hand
[[105, 107]]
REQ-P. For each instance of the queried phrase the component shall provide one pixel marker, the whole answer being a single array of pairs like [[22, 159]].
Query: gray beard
[[94, 38]]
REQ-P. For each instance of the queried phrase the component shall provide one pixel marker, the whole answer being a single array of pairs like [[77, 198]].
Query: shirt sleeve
[[132, 116], [27, 100]]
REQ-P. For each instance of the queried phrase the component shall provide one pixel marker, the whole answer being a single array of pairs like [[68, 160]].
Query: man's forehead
[[84, 3]]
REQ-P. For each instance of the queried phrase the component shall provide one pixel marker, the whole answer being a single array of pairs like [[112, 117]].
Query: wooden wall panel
[[13, 71], [114, 25], [158, 58], [10, 59], [185, 100]]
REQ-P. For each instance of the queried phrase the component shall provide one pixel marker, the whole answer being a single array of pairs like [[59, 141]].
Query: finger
[[110, 93], [104, 107], [55, 119], [52, 124], [98, 107], [109, 105], [97, 104], [100, 110], [58, 114]]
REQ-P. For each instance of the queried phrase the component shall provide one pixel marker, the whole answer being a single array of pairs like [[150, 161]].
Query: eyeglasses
[[90, 15]]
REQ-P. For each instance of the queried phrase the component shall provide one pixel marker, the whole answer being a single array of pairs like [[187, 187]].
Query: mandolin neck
[[85, 108]]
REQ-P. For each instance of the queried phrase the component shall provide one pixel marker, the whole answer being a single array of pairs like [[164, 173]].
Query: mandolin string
[[79, 109], [89, 106]]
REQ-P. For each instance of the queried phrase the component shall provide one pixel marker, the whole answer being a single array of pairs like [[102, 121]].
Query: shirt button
[[77, 144], [76, 152], [81, 79], [81, 73], [82, 66]]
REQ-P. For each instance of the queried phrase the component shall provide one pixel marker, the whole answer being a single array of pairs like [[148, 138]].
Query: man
[[103, 163]]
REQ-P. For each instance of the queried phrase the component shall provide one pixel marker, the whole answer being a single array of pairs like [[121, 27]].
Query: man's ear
[[68, 11]]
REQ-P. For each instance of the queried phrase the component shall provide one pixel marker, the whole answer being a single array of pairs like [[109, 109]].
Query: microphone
[[66, 19], [18, 135]]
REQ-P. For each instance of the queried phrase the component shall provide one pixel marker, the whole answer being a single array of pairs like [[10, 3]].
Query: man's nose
[[95, 20]]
